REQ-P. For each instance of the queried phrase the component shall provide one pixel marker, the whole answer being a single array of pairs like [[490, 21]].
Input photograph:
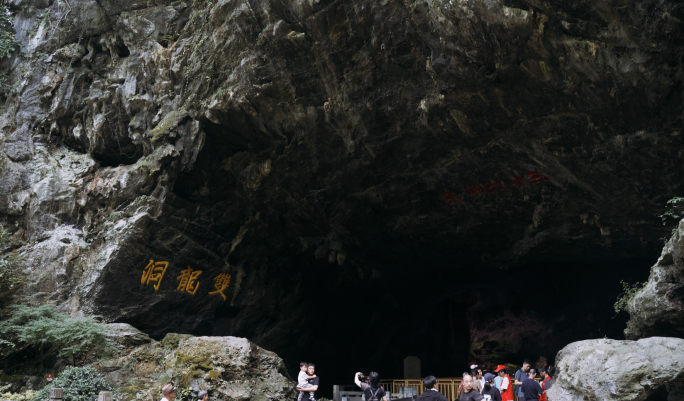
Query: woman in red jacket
[[546, 373], [505, 386]]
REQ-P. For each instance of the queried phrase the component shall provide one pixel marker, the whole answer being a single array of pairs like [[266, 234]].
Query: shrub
[[25, 396], [79, 384], [628, 292], [7, 42], [45, 331], [675, 210]]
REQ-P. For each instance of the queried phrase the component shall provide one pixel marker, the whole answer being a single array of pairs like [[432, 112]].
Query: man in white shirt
[[169, 392]]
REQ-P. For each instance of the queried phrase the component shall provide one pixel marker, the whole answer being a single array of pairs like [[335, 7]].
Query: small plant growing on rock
[[628, 293], [675, 211], [79, 384], [7, 44]]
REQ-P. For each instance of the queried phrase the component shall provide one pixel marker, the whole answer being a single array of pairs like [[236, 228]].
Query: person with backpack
[[431, 393], [372, 390], [489, 391]]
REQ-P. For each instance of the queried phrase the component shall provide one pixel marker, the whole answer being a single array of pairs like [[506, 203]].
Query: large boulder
[[657, 308], [229, 368], [648, 369]]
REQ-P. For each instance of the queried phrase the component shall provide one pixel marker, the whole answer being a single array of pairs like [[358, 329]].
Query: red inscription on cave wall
[[531, 178]]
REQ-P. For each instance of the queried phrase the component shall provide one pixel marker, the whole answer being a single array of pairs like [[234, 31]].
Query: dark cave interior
[[401, 296], [384, 320]]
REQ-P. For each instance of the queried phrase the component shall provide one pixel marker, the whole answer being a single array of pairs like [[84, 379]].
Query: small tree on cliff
[[45, 332]]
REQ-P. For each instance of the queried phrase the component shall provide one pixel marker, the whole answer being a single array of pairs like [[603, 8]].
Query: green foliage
[[46, 331], [675, 211], [79, 384], [628, 293], [25, 396], [7, 42], [9, 279]]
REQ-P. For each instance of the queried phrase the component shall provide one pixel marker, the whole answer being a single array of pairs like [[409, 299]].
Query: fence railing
[[447, 386]]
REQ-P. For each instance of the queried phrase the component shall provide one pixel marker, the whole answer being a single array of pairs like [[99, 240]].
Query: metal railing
[[447, 386]]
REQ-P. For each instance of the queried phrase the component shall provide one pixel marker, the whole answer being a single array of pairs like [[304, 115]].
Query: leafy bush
[[25, 396], [46, 331], [7, 42], [79, 384], [628, 292], [675, 210]]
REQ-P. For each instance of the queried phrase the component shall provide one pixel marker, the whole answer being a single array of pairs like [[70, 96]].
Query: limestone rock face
[[322, 150], [658, 308], [230, 368], [126, 335], [603, 370]]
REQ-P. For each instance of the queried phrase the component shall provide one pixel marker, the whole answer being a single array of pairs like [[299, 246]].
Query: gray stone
[[126, 335], [658, 308], [612, 370], [56, 393]]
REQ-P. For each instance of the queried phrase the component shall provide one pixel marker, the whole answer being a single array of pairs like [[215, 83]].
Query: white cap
[[473, 366]]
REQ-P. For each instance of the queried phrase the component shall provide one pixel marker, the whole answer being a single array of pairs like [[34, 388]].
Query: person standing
[[547, 380], [477, 385], [431, 393], [469, 393], [530, 388], [202, 396], [489, 391], [521, 375], [372, 389], [505, 385], [480, 378], [309, 393], [169, 392]]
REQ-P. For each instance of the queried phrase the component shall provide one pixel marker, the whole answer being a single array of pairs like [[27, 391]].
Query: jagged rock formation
[[658, 308], [329, 151], [228, 367], [602, 370]]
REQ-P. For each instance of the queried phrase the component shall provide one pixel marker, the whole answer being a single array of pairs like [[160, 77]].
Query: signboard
[[49, 377]]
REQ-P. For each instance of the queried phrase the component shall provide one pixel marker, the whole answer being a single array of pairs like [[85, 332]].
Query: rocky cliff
[[649, 369], [220, 166], [656, 310]]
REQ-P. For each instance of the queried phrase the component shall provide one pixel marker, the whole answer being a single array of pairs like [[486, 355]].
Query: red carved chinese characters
[[532, 177], [536, 178], [518, 180], [475, 189], [491, 185], [449, 197]]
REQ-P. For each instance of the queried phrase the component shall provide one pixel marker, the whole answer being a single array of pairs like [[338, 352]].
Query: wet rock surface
[[657, 309], [647, 369], [326, 153]]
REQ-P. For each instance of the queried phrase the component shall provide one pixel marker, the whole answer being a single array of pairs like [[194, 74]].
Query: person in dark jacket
[[530, 388], [489, 390], [372, 389], [469, 393], [431, 393]]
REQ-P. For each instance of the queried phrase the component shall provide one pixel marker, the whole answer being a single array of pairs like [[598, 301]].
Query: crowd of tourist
[[499, 386], [477, 385]]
